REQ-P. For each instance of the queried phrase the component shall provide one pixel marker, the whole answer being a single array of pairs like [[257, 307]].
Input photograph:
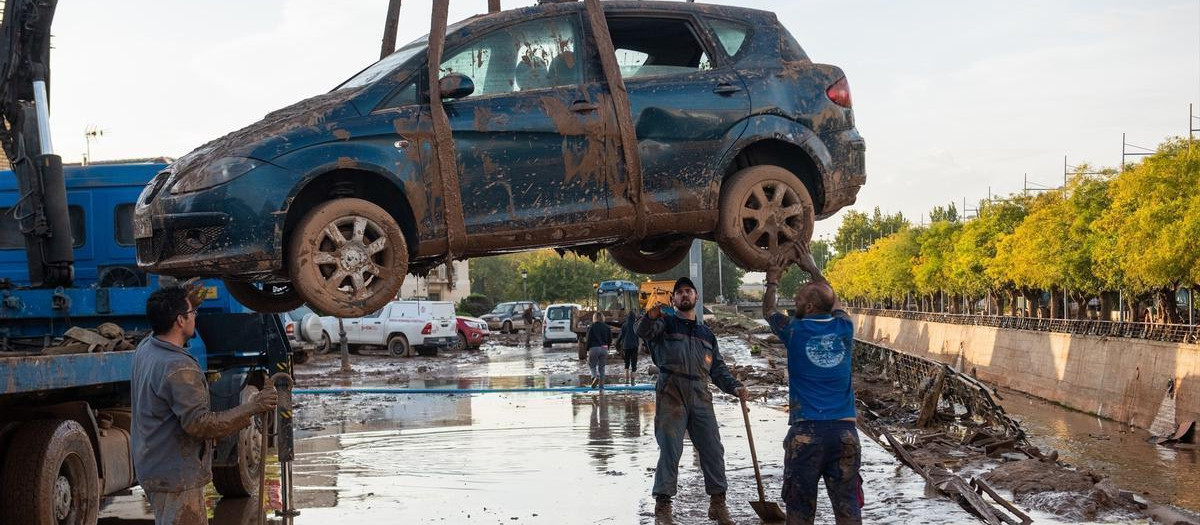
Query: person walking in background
[[527, 316], [822, 441], [599, 338], [687, 357], [627, 341]]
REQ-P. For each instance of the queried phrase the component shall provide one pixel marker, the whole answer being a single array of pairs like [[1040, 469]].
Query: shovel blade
[[769, 511]]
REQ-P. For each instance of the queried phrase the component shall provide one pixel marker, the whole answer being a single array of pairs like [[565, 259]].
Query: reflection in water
[[599, 433], [1109, 448]]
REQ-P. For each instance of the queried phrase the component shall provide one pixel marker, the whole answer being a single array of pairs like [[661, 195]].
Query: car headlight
[[219, 172]]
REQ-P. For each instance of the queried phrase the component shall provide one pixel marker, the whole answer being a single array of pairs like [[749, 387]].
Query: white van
[[405, 325], [557, 324]]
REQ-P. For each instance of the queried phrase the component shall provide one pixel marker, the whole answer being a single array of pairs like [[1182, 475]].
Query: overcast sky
[[953, 97]]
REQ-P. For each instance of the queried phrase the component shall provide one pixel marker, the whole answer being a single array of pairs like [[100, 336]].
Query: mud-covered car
[[635, 130]]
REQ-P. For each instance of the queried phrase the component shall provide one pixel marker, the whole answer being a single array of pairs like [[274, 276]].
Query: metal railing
[[1173, 333]]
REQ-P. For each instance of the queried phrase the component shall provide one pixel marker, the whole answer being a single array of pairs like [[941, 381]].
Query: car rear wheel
[[650, 257], [763, 209], [267, 298], [348, 257], [398, 345]]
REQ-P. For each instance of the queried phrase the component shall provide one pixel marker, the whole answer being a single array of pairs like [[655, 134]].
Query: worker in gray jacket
[[173, 427], [687, 357]]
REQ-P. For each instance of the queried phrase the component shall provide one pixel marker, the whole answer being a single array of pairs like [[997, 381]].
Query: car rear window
[[656, 46], [559, 313]]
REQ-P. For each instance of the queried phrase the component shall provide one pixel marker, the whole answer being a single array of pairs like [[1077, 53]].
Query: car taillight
[[839, 93], [290, 328], [428, 329]]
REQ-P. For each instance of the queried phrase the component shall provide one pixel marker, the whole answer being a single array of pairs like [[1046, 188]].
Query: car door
[[687, 103], [529, 140], [370, 327]]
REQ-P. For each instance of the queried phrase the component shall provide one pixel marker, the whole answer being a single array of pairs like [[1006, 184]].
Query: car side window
[[405, 96], [531, 55], [732, 35], [657, 46]]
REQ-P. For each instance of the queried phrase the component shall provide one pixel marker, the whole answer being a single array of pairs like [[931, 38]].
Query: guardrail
[[1173, 333]]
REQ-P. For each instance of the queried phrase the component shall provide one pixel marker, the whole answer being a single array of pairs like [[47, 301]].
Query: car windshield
[[386, 65], [503, 308], [559, 313]]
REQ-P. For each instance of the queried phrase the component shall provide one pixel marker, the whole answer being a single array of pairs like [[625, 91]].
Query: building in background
[[437, 286]]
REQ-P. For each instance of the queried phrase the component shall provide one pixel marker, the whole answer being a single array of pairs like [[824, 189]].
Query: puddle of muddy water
[[1162, 474], [526, 457]]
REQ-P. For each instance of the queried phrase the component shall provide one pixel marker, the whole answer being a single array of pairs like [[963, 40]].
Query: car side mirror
[[455, 86]]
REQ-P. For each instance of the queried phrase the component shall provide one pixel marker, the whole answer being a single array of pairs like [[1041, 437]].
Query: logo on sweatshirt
[[826, 351]]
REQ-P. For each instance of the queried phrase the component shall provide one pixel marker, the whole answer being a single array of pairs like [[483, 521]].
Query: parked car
[[403, 326], [558, 324], [333, 200], [510, 317], [305, 329], [472, 332]]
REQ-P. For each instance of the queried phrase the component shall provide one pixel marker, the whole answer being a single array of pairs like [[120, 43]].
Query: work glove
[[265, 400], [742, 392]]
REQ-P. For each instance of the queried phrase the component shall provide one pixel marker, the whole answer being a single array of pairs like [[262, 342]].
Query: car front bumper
[[233, 228]]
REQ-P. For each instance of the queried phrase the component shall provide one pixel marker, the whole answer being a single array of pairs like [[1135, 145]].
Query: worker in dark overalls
[[687, 358]]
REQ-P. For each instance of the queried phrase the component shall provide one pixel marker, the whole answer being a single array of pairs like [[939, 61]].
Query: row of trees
[[553, 278], [1105, 234]]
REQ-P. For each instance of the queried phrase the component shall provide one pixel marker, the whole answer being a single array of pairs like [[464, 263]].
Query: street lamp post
[[524, 280]]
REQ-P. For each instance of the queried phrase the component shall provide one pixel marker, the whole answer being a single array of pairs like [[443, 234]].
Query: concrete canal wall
[[1117, 378]]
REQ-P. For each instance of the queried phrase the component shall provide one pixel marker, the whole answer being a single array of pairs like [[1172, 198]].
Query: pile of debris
[[108, 337]]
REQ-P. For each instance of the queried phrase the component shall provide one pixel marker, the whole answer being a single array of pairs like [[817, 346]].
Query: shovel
[[769, 511]]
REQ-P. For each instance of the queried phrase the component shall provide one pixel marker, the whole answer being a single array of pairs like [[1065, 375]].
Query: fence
[[1173, 333]]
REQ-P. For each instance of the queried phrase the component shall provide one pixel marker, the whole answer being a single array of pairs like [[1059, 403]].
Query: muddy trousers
[[597, 359], [178, 508], [830, 450], [686, 405]]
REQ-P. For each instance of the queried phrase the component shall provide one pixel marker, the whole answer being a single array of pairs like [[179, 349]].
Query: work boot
[[662, 510], [717, 510]]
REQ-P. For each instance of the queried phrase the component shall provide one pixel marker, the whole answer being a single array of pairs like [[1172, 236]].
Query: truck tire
[[241, 478], [50, 476], [326, 344], [658, 258], [398, 345], [762, 209], [583, 350], [264, 297], [300, 357], [347, 257], [460, 344]]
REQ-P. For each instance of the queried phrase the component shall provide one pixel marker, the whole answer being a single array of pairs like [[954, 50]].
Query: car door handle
[[726, 89], [580, 106]]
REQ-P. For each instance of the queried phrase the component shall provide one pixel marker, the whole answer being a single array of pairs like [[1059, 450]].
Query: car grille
[[192, 241]]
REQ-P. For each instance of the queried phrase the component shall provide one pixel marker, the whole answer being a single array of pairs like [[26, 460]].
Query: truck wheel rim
[[62, 497], [352, 256], [772, 215]]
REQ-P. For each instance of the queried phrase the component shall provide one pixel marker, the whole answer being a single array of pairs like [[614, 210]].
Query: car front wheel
[[763, 209], [348, 257]]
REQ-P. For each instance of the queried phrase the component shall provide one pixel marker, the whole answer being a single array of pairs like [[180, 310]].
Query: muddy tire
[[650, 258], [398, 345], [348, 257], [241, 478], [460, 344], [326, 344], [50, 476], [300, 357], [763, 208], [546, 343], [506, 328], [267, 298]]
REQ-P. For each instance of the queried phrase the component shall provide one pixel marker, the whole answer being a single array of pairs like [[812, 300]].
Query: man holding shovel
[[686, 354], [822, 441]]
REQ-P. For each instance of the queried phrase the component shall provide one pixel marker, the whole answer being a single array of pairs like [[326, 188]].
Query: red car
[[472, 332]]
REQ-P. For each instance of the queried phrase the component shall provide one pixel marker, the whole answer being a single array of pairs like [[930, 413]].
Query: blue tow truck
[[72, 303]]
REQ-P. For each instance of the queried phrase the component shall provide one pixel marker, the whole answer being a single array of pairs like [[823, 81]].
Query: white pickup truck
[[401, 327]]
